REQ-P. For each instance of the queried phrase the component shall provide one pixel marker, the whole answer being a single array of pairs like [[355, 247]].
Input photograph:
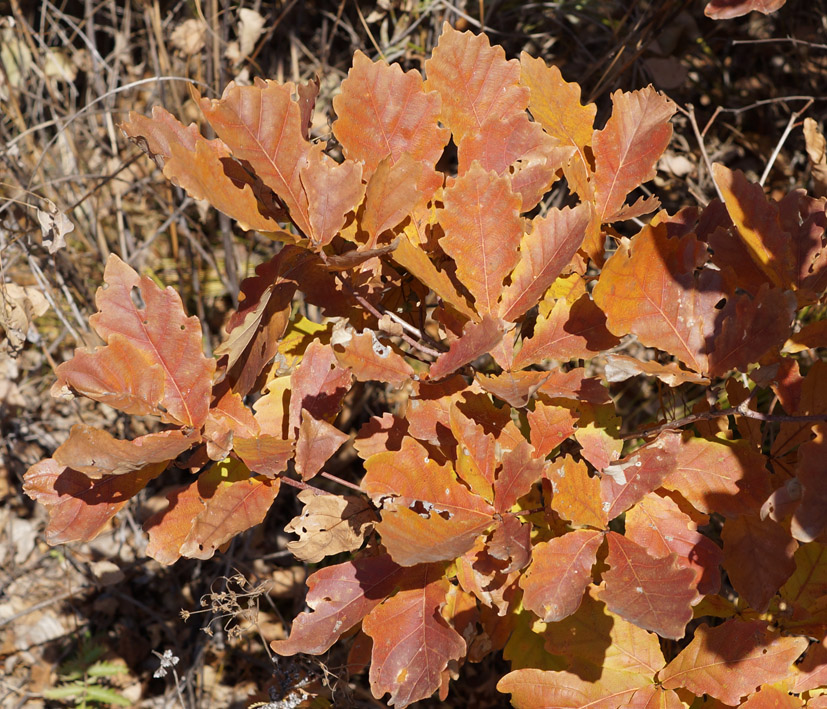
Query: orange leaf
[[265, 454], [79, 508], [727, 477], [729, 9], [339, 596], [598, 433], [95, 452], [332, 191], [412, 642], [158, 134], [748, 542], [370, 360], [769, 697], [560, 571], [657, 524], [649, 288], [511, 541], [555, 103], [168, 529], [483, 229], [426, 516], [731, 660], [544, 252], [543, 689], [382, 111], [571, 330], [318, 440], [576, 496], [550, 425], [476, 454], [619, 368], [628, 481], [475, 81], [628, 148], [575, 385], [262, 126], [318, 384], [153, 362], [654, 594], [477, 339], [380, 433], [519, 473]]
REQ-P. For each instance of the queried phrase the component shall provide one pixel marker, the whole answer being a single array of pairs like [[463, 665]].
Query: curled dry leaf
[[329, 524]]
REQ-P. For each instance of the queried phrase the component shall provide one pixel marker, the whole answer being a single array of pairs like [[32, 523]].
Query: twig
[[689, 112], [790, 124], [337, 479], [740, 410]]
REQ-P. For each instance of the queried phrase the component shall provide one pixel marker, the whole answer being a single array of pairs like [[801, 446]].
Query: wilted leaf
[[427, 515], [153, 362], [748, 542], [560, 571], [329, 524], [339, 596], [95, 452], [619, 368], [511, 541], [79, 507], [816, 154], [729, 9], [412, 643], [380, 433], [655, 594], [810, 517], [482, 225], [54, 225], [544, 252], [732, 660], [475, 81]]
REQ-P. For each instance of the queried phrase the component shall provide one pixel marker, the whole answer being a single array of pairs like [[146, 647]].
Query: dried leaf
[[477, 339], [817, 155], [519, 473], [550, 425], [333, 190], [729, 9], [576, 496], [619, 368], [329, 524], [317, 441], [369, 360], [318, 385]]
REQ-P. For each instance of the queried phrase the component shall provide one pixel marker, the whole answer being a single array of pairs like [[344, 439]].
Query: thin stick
[[689, 112], [337, 479], [790, 124]]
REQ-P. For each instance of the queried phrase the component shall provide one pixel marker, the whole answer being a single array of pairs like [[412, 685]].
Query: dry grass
[[69, 73]]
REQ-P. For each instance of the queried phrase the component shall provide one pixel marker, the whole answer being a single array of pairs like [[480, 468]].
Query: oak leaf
[[550, 425], [329, 524], [576, 496], [317, 441], [729, 9], [333, 190], [370, 360], [318, 385], [477, 339], [520, 470], [732, 660]]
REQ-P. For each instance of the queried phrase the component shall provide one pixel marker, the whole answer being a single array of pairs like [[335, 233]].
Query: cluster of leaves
[[501, 509]]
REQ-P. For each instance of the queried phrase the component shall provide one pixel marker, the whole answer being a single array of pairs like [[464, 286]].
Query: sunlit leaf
[[317, 441], [370, 360], [576, 496], [519, 473], [477, 339], [333, 190]]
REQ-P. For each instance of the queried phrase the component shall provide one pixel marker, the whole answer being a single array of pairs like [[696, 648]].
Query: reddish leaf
[[515, 388], [649, 288], [511, 541], [425, 517], [519, 473], [555, 103], [575, 385], [382, 111], [519, 148], [627, 482], [732, 660], [370, 360], [332, 191], [158, 134], [576, 495], [571, 330], [544, 252], [539, 689], [477, 455], [619, 368], [96, 453], [262, 317], [550, 425], [412, 643], [318, 384], [750, 328], [477, 339], [657, 524], [339, 596], [153, 362], [380, 433], [810, 517], [226, 418], [806, 586], [727, 477], [628, 148], [476, 83], [812, 671], [262, 126], [483, 229], [559, 573], [729, 9], [598, 433], [318, 440], [748, 543], [769, 697], [79, 508], [811, 396], [655, 594], [168, 529], [654, 697]]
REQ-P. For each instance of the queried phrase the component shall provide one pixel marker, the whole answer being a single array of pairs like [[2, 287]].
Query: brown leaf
[[333, 190], [318, 384], [370, 360], [329, 524], [477, 339], [264, 454], [619, 368], [519, 473], [817, 155], [729, 9]]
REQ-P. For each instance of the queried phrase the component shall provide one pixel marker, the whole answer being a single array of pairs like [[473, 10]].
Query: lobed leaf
[[477, 339], [520, 470], [576, 496], [333, 190], [369, 360], [317, 441]]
